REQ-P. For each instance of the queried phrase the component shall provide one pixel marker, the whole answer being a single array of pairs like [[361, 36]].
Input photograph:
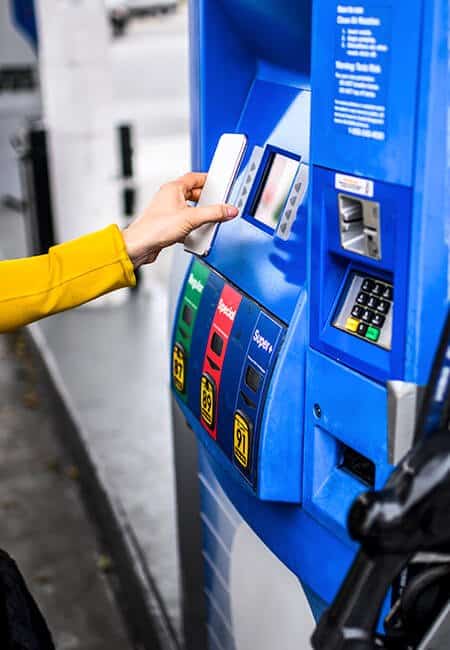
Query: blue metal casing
[[358, 94]]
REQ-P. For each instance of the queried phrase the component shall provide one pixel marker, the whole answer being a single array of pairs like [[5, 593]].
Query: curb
[[135, 591]]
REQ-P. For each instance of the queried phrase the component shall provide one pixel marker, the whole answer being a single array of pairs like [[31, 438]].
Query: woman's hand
[[168, 219]]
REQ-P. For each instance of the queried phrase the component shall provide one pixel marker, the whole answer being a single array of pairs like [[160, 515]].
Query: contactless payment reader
[[306, 326]]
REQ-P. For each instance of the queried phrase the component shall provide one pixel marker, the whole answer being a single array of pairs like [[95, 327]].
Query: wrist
[[137, 253]]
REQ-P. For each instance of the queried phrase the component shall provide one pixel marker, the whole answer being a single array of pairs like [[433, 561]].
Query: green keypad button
[[373, 333]]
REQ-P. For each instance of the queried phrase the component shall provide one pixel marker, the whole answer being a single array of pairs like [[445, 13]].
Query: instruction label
[[362, 62]]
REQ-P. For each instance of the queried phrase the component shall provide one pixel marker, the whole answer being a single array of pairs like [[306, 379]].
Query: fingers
[[194, 195], [211, 214], [191, 181]]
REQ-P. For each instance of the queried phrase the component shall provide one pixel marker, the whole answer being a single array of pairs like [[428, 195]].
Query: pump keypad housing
[[366, 310]]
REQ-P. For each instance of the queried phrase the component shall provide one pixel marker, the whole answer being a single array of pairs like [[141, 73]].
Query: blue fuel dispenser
[[302, 339]]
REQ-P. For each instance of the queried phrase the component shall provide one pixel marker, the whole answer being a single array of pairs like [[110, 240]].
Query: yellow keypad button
[[352, 324]]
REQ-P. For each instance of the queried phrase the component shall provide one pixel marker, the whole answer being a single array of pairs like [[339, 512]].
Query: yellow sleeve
[[69, 275]]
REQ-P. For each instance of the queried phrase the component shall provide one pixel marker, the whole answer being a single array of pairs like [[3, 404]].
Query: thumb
[[211, 214]]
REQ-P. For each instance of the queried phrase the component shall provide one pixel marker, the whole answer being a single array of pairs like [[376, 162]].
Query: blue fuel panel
[[339, 258], [242, 381]]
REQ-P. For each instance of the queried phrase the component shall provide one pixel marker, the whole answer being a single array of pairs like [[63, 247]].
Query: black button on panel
[[187, 315], [367, 285], [252, 378], [362, 329], [362, 298], [388, 293], [357, 311], [378, 320], [384, 306], [378, 289], [373, 302], [367, 315], [217, 344]]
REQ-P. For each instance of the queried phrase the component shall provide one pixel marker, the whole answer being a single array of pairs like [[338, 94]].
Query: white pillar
[[77, 94]]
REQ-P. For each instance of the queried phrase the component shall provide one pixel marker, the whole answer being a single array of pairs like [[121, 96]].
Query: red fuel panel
[[216, 349]]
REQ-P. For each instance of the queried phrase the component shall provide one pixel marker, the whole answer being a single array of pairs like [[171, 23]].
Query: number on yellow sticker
[[242, 439], [179, 367], [207, 401]]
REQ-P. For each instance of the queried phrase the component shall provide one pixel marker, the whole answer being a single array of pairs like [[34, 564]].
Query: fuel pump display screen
[[273, 193]]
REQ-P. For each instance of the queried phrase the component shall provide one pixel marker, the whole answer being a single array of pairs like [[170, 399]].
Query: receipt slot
[[302, 339]]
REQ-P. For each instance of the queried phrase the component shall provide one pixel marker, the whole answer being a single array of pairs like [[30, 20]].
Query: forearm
[[70, 275]]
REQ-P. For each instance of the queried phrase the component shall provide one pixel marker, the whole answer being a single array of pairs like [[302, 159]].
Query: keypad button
[[367, 316], [357, 311], [362, 329], [367, 285], [378, 320], [378, 289], [373, 334], [352, 324], [388, 293], [383, 306], [362, 298], [373, 302]]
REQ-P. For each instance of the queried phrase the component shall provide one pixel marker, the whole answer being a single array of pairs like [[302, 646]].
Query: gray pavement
[[44, 525]]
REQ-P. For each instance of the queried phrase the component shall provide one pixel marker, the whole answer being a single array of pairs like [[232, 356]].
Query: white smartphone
[[221, 175]]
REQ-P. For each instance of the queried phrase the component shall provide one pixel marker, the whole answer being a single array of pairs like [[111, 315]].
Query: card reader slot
[[360, 226]]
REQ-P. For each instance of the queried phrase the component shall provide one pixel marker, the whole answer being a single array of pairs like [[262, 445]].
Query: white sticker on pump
[[353, 184]]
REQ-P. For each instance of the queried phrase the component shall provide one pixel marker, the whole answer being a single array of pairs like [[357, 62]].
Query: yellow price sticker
[[207, 401], [179, 367], [242, 439]]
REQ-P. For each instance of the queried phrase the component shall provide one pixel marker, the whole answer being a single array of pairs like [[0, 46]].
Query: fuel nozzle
[[411, 514]]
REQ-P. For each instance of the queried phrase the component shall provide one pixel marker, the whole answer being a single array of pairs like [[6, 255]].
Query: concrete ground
[[44, 525]]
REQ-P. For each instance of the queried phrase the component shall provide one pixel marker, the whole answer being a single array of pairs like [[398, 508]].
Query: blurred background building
[[96, 94]]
